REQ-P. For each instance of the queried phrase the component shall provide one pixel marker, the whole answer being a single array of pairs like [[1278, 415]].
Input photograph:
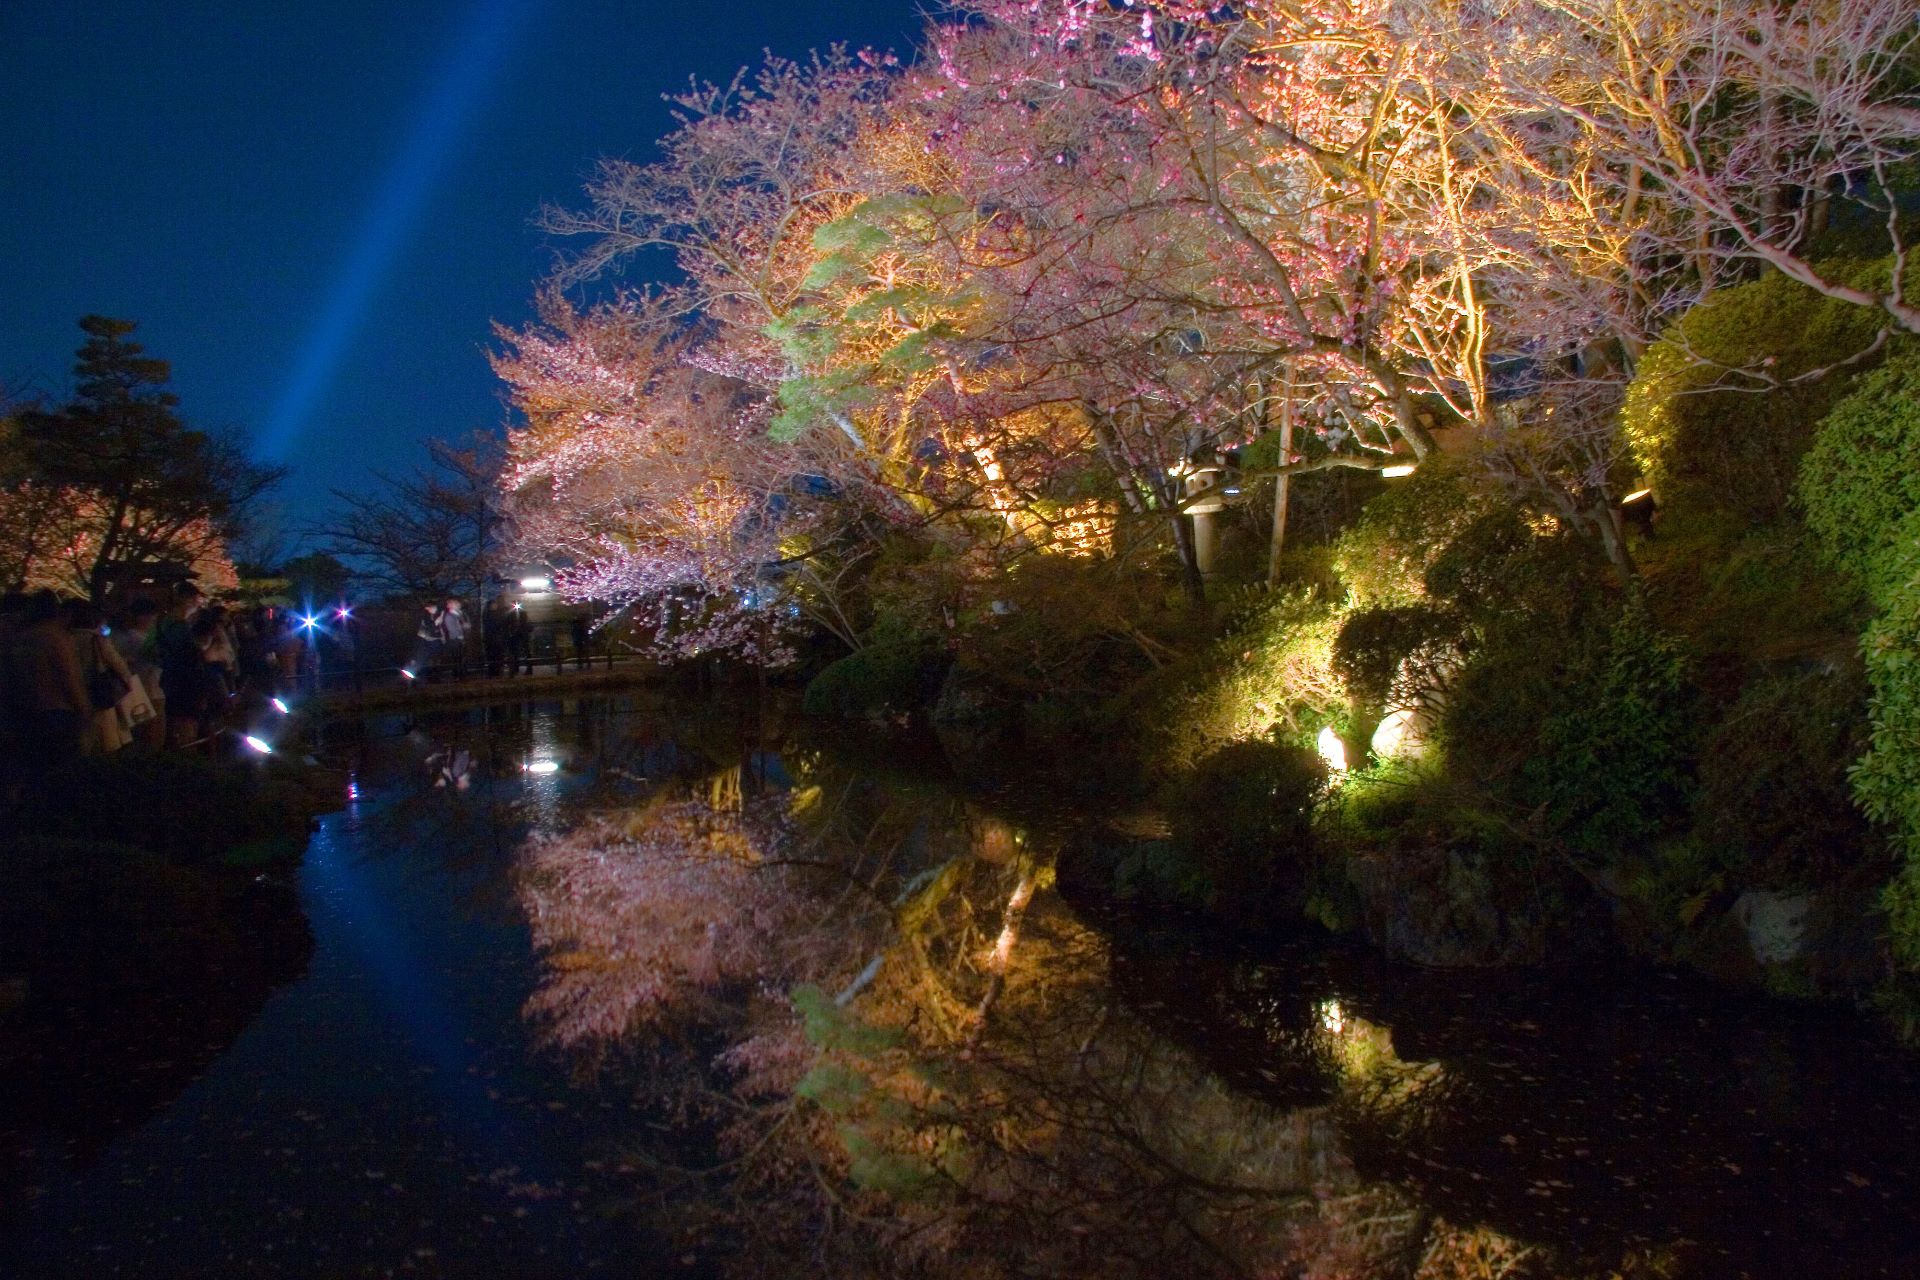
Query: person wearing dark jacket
[[50, 703]]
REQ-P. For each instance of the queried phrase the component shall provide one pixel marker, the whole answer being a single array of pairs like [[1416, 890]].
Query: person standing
[[519, 641], [50, 694], [179, 660], [582, 636], [106, 678], [495, 621], [136, 638], [428, 639], [453, 630]]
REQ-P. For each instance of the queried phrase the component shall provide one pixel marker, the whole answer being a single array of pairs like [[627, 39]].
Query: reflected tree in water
[[910, 1058]]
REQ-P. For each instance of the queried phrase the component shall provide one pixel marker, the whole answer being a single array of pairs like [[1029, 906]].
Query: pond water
[[504, 1059]]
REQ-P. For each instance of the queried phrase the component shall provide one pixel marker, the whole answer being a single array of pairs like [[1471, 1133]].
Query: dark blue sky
[[314, 211]]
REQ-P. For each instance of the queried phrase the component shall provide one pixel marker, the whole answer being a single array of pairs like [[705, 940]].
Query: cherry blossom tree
[[644, 472]]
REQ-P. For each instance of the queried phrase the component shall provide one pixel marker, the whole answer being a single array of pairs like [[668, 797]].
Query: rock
[[1824, 943], [1452, 908], [1776, 924]]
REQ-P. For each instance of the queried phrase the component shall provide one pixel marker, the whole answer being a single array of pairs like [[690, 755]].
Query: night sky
[[315, 211]]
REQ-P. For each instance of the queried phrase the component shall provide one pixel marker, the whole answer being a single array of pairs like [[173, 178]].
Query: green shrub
[[1242, 836], [1529, 598], [1383, 557], [1735, 449], [1887, 779], [1862, 495], [1774, 801], [1860, 483], [1391, 656], [1755, 592], [1508, 574], [1614, 766], [1269, 673], [1249, 800], [879, 681]]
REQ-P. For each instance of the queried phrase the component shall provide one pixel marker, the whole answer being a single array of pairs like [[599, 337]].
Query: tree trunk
[[109, 543], [1191, 581], [1282, 486], [1613, 539]]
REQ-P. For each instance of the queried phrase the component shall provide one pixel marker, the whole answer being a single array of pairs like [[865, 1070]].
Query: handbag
[[137, 706]]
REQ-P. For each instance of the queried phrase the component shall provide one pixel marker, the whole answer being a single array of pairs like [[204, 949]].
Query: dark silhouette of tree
[[145, 486], [431, 532]]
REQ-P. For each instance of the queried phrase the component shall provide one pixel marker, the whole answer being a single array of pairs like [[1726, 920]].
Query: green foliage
[[1887, 781], [1774, 802], [1374, 642], [1507, 575], [1242, 833], [1673, 882], [879, 681], [1529, 599], [1752, 591], [1710, 440], [1861, 487], [1249, 802], [1384, 557], [1269, 674], [830, 1026], [1615, 760], [1860, 482]]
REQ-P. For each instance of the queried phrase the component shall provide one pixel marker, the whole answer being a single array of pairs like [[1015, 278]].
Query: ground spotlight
[[263, 747], [281, 706], [544, 766]]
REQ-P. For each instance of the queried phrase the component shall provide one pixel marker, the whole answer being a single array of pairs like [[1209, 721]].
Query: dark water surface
[[389, 1110]]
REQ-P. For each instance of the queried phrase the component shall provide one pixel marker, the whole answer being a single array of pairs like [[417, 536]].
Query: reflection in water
[[580, 960], [910, 1055], [913, 1053]]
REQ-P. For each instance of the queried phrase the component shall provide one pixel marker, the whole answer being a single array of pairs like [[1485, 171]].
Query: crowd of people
[[184, 672], [180, 672], [444, 629]]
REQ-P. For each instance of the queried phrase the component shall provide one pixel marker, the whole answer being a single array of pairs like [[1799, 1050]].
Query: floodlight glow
[[1332, 750], [264, 748], [478, 52], [544, 766], [1396, 471], [535, 583], [1635, 496], [281, 707], [343, 612], [308, 621]]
